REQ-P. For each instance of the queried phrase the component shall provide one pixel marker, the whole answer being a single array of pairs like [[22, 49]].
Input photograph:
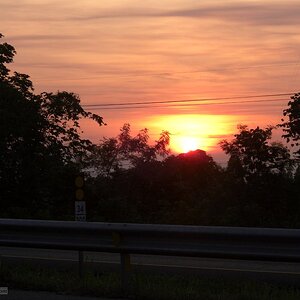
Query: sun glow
[[192, 132], [189, 143]]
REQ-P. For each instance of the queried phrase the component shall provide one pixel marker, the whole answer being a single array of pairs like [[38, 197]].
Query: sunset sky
[[122, 51]]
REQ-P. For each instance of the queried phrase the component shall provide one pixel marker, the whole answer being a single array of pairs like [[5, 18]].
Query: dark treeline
[[129, 180], [260, 186]]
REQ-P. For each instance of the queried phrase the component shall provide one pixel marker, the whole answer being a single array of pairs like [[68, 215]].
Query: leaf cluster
[[40, 141], [291, 126], [124, 151], [253, 154]]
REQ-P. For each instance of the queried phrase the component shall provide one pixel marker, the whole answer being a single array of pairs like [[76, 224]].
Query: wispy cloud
[[43, 37], [132, 50], [253, 13], [249, 12]]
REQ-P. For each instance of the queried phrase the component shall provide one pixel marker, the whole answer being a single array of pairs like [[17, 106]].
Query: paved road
[[33, 295], [153, 260], [279, 272]]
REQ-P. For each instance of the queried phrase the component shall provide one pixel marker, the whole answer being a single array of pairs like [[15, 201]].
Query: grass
[[146, 287]]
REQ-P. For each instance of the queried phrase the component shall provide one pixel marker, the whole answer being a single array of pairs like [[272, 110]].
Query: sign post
[[80, 207], [80, 214], [80, 211]]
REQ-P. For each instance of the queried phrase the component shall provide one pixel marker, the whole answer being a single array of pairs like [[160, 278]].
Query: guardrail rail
[[267, 244]]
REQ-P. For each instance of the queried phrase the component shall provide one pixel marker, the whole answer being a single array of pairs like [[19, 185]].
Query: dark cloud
[[260, 14], [264, 14]]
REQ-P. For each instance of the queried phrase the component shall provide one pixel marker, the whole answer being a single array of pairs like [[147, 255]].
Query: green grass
[[146, 287]]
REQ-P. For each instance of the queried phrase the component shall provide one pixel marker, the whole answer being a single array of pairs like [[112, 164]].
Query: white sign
[[80, 218], [3, 290], [80, 211]]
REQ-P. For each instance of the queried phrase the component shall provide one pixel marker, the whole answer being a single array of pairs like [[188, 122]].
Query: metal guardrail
[[197, 241]]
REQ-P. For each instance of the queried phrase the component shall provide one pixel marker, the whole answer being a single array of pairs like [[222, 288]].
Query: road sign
[[80, 211], [80, 218], [80, 208], [79, 181], [79, 194]]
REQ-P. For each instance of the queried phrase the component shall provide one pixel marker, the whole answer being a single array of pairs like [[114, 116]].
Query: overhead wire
[[194, 101], [186, 105]]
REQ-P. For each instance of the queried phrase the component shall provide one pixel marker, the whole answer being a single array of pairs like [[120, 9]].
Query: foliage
[[123, 151], [291, 127], [173, 190], [252, 154], [39, 143], [62, 112], [256, 189], [143, 285], [7, 53]]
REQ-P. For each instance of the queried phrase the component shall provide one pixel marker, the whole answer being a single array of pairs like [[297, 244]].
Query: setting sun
[[192, 132], [189, 143]]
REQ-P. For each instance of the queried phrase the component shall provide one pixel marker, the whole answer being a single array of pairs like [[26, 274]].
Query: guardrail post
[[80, 264], [125, 272]]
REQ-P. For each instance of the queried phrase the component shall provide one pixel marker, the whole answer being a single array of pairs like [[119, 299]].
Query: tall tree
[[125, 151], [252, 153], [39, 142], [291, 126]]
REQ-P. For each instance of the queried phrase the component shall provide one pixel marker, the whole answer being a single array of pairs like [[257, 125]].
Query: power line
[[184, 100], [186, 105]]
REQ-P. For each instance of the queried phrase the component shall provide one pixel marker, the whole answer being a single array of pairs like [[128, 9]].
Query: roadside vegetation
[[146, 287]]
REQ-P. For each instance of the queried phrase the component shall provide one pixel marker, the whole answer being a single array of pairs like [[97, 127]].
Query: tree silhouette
[[291, 127], [252, 154], [39, 143], [126, 151]]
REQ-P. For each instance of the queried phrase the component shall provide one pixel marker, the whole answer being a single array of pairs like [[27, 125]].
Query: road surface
[[281, 272], [36, 295]]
